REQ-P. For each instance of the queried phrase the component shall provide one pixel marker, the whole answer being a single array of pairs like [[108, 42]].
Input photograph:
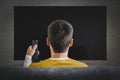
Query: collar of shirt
[[58, 58]]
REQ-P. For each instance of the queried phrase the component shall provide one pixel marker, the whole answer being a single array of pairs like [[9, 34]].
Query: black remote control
[[35, 42], [36, 54]]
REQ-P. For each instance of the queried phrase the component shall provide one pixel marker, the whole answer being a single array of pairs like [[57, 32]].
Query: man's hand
[[31, 50]]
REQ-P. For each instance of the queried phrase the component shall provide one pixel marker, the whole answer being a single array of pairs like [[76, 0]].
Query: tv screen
[[89, 23]]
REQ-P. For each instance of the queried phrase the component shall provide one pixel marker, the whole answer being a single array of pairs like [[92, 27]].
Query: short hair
[[60, 32]]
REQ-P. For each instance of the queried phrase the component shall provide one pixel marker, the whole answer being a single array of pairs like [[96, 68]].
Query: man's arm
[[28, 58], [28, 61]]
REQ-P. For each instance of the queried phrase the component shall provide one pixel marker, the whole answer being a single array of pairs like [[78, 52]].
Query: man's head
[[60, 33]]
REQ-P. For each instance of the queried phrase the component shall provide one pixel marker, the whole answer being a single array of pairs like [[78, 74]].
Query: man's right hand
[[31, 50]]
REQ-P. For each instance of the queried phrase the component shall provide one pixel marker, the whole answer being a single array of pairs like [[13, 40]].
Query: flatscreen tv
[[89, 23]]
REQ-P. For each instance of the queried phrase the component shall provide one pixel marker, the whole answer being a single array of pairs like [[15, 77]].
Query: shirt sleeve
[[28, 61]]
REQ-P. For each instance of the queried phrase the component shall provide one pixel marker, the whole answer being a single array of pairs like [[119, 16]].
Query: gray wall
[[7, 28]]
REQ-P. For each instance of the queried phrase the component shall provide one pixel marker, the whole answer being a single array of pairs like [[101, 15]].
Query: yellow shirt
[[49, 63]]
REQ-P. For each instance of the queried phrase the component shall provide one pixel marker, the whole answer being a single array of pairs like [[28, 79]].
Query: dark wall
[[7, 27]]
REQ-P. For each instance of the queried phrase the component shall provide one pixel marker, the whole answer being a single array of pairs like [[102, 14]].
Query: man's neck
[[59, 55]]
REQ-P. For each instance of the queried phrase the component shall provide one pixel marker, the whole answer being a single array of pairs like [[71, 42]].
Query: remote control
[[36, 54]]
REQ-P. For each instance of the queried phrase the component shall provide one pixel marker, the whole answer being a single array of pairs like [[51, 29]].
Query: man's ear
[[71, 43], [47, 42]]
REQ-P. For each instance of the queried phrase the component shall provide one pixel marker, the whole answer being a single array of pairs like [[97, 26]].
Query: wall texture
[[7, 28]]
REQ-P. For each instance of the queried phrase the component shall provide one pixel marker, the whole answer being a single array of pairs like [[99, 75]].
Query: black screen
[[89, 23]]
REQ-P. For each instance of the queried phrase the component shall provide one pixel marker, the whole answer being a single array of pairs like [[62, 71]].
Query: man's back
[[53, 62], [59, 40]]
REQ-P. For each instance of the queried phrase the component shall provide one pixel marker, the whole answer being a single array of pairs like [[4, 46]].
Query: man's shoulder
[[77, 62], [39, 64]]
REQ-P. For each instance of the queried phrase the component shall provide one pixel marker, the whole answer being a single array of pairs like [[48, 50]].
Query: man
[[60, 33]]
